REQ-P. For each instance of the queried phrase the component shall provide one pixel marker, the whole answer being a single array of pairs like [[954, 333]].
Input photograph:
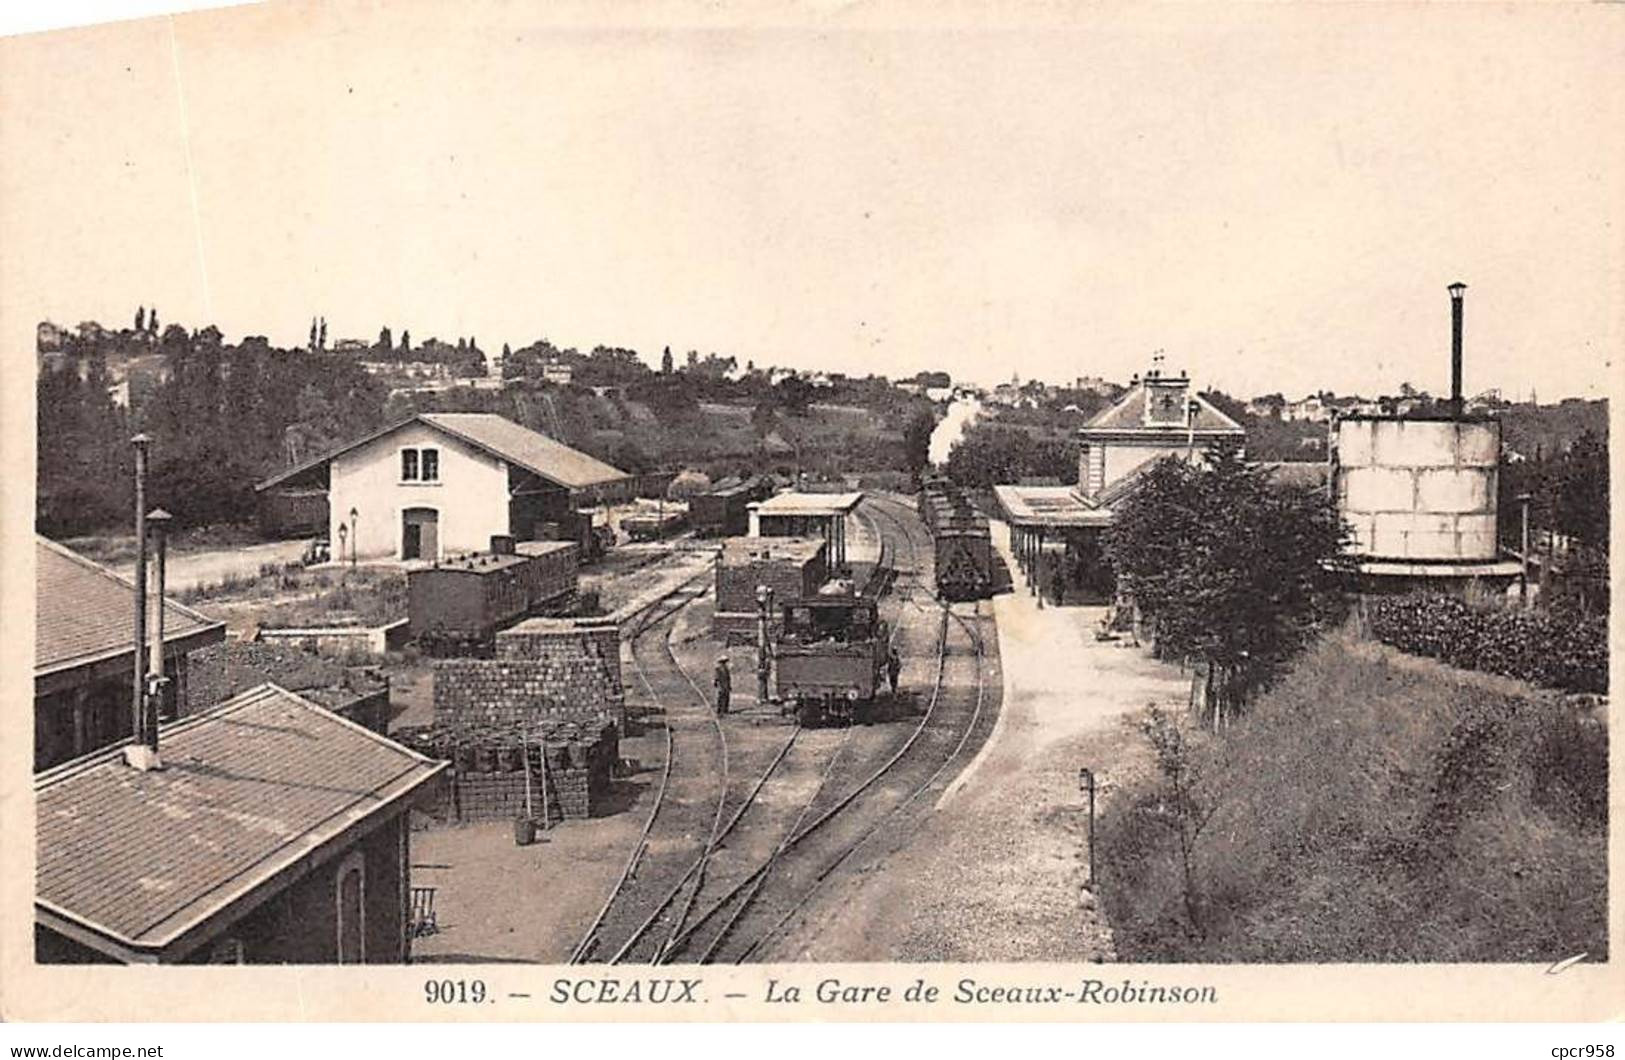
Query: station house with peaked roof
[[1057, 529]]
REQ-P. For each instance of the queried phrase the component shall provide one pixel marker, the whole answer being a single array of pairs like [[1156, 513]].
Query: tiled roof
[[1127, 413], [537, 453], [84, 612], [248, 790], [545, 457]]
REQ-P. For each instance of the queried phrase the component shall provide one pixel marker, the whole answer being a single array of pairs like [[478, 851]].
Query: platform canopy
[[1061, 507], [795, 514], [793, 503]]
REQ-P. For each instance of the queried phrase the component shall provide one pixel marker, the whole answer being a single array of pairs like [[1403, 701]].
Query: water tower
[[1420, 492]]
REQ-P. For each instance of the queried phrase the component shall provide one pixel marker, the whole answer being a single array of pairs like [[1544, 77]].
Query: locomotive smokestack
[[1457, 290]]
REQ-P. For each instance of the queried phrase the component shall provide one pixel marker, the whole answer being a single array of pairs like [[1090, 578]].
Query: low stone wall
[[740, 627], [343, 641]]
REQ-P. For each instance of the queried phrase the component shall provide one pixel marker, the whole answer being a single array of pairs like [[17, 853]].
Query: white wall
[[471, 496], [1419, 489], [1121, 458]]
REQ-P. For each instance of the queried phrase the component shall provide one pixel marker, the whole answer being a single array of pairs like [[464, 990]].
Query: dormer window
[[420, 465]]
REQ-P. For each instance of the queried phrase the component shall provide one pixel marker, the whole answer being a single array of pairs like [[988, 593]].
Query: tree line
[[220, 417]]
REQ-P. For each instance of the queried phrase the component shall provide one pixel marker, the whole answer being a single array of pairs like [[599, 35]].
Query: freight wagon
[[723, 511], [652, 524], [961, 542], [457, 605]]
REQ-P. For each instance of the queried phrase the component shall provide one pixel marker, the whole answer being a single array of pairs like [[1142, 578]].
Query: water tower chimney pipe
[[1457, 290]]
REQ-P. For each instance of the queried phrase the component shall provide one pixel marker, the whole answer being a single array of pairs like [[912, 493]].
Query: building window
[[228, 951], [350, 897], [420, 465]]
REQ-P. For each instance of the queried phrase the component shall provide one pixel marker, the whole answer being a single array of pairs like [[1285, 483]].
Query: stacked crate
[[794, 568], [555, 688]]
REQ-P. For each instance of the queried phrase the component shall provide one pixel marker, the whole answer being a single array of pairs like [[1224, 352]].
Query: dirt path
[[996, 871]]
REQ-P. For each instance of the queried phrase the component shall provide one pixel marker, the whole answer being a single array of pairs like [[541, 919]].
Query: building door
[[351, 902], [420, 533]]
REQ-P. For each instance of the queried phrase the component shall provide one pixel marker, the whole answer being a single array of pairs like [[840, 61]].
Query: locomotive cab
[[830, 657]]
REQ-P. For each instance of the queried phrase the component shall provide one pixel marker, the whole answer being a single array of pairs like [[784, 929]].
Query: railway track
[[837, 824], [720, 898], [684, 806], [834, 824], [656, 892]]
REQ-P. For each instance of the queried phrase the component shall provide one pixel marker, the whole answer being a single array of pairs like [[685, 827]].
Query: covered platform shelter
[[795, 514], [1054, 529]]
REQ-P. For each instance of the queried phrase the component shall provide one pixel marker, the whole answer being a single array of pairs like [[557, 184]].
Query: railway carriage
[[457, 605]]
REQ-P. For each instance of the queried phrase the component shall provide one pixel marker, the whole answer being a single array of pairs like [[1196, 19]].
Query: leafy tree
[[1582, 492], [1230, 569], [152, 321], [1228, 405], [140, 319], [665, 361], [1187, 802], [793, 394], [917, 440], [406, 342], [386, 341], [987, 454]]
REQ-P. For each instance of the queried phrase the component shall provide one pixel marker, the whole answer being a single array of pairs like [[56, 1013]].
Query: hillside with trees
[[224, 416]]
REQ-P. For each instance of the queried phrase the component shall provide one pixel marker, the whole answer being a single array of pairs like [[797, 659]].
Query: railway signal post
[[764, 651]]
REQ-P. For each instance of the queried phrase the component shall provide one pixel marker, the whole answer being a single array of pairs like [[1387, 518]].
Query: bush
[[1552, 648], [1372, 812]]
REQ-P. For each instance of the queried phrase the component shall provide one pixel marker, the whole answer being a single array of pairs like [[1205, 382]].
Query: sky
[[1276, 197]]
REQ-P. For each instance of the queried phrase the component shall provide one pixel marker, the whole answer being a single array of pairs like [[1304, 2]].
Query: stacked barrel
[[557, 767]]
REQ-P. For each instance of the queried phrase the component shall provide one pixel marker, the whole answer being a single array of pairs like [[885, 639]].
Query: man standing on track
[[894, 667], [723, 680]]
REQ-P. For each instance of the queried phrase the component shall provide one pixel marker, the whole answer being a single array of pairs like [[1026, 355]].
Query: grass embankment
[[1372, 808], [294, 597]]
